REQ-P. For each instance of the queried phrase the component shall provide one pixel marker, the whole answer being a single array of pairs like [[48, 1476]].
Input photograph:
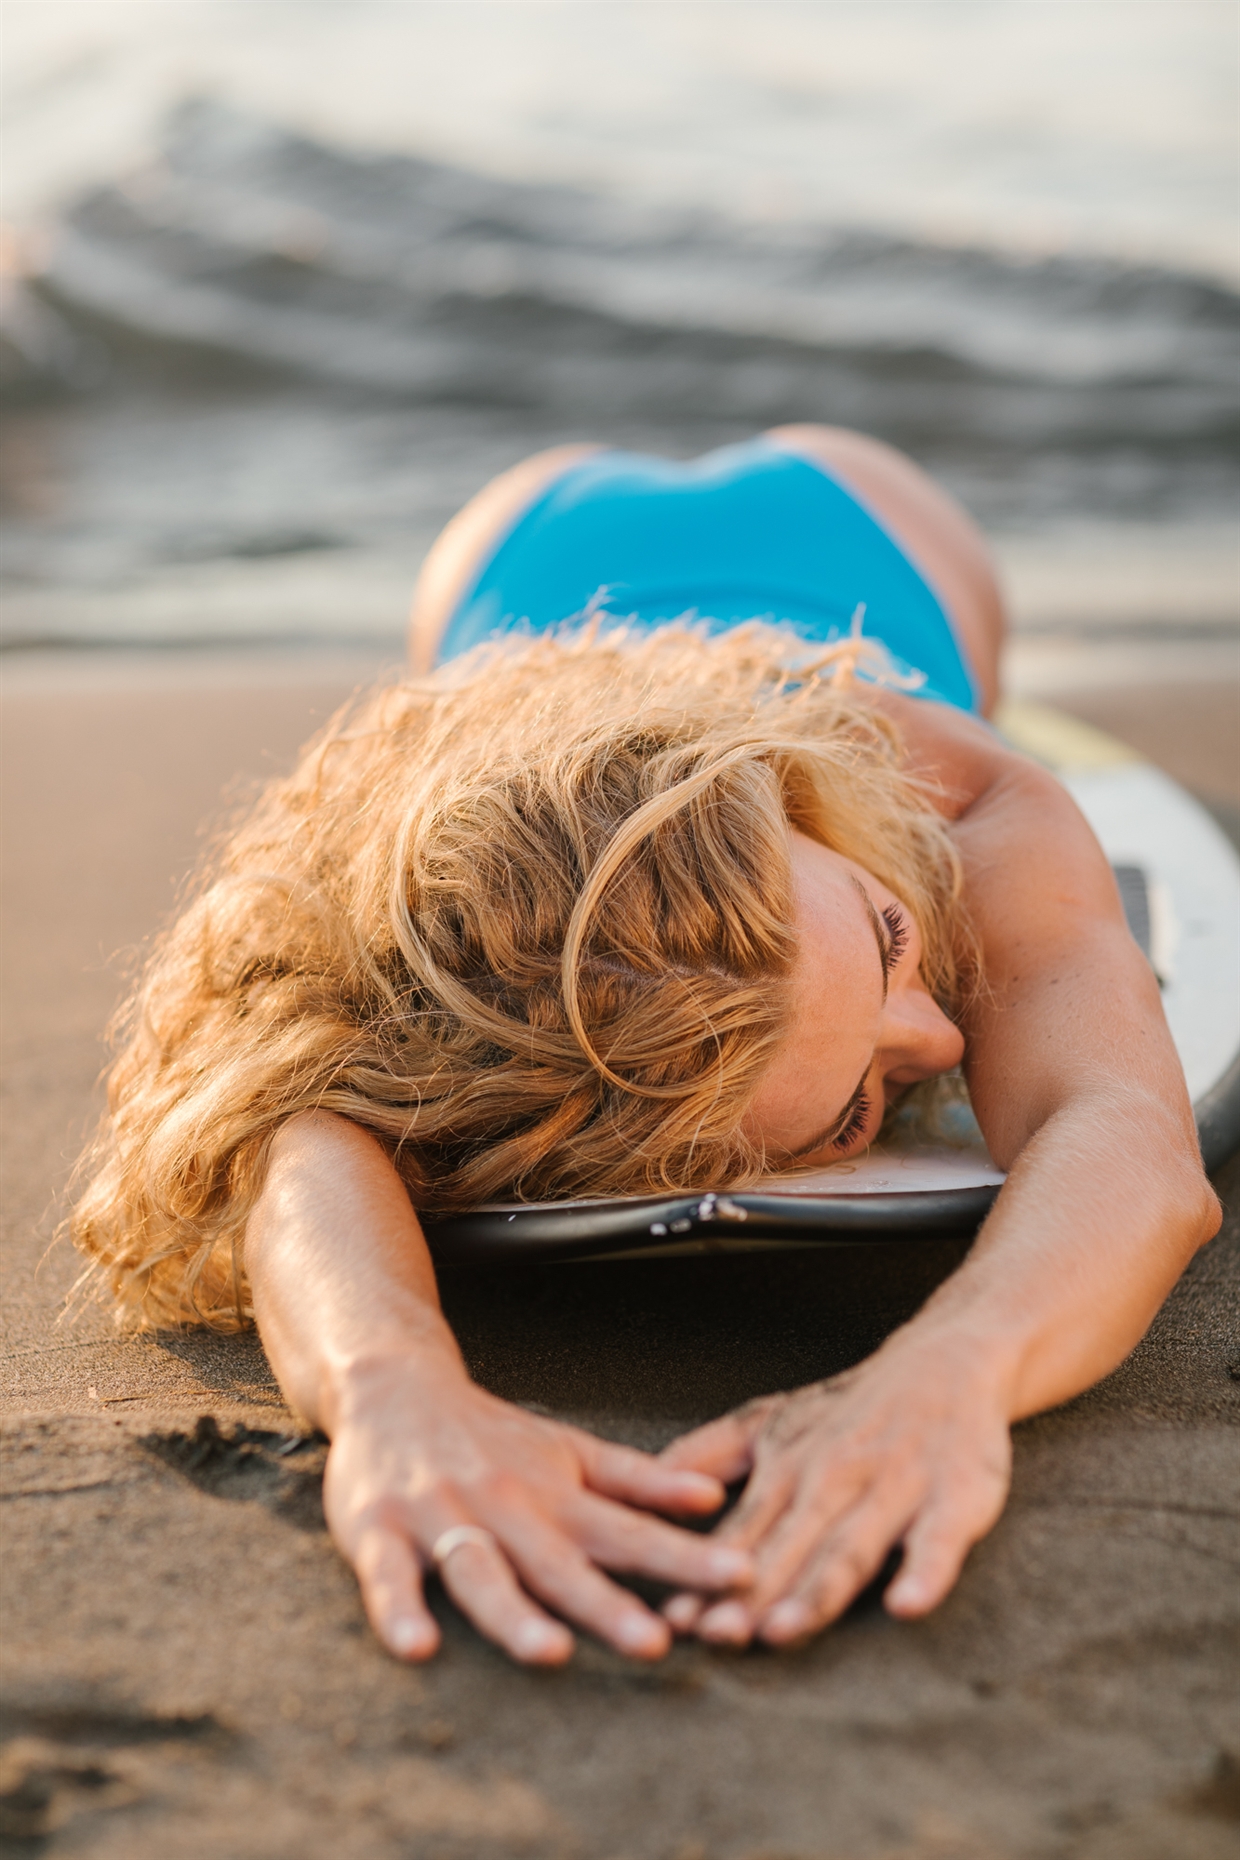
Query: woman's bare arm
[[1072, 1071], [347, 1305], [1081, 1096]]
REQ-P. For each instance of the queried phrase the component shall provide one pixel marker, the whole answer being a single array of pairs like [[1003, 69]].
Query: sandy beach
[[286, 282], [188, 1669]]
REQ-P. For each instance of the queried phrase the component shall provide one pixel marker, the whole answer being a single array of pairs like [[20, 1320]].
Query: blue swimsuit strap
[[747, 531]]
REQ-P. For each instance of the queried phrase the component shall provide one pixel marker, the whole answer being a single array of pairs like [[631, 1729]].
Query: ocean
[[290, 281]]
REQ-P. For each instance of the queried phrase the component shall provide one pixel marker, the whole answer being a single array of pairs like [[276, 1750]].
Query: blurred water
[[260, 365], [1104, 127]]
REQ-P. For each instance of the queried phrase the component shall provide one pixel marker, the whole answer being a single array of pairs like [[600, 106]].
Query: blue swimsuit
[[746, 532]]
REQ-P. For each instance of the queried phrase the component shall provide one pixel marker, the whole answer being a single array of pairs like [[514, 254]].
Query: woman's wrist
[[421, 1368], [942, 1348], [1023, 1353]]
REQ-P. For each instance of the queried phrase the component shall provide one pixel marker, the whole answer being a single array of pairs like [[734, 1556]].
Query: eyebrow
[[884, 956]]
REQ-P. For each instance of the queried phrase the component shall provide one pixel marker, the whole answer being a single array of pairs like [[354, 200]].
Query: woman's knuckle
[[501, 1488], [981, 1515], [371, 1524], [826, 1595], [941, 1538], [973, 1496], [551, 1558], [855, 1563], [437, 1491], [848, 1456]]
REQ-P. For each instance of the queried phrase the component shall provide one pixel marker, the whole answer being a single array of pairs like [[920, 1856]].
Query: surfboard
[[1179, 879]]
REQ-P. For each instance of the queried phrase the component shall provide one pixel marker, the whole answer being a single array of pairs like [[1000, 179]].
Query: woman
[[619, 910]]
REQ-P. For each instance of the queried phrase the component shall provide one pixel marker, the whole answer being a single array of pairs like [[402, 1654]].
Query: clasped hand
[[418, 1451], [911, 1448]]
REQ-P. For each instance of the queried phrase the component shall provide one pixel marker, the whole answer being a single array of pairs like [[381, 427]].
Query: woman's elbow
[[1209, 1212]]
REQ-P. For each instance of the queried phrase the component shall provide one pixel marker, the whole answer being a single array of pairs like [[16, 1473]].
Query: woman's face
[[863, 1027]]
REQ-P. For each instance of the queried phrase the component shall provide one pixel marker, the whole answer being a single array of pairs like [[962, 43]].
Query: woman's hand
[[345, 1295], [911, 1447], [419, 1449]]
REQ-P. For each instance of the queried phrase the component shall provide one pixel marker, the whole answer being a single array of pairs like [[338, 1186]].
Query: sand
[[188, 1672]]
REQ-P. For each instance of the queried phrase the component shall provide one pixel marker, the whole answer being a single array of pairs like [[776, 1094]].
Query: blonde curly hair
[[528, 920]]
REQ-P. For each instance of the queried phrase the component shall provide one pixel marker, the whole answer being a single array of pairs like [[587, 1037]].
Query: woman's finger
[[936, 1545], [480, 1580], [555, 1570], [762, 1503], [390, 1577], [622, 1539], [835, 1575], [829, 1494], [790, 1544], [732, 1618], [723, 1448], [641, 1479], [683, 1612], [767, 1496]]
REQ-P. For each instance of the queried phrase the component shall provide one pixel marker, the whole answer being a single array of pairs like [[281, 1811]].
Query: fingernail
[[731, 1565], [640, 1634], [405, 1635], [682, 1611], [728, 1622], [535, 1639], [786, 1621]]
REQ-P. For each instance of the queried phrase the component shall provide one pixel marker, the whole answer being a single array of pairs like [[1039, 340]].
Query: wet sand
[[188, 1672]]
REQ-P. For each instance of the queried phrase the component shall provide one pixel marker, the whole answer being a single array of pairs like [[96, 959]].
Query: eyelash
[[858, 1118], [897, 930]]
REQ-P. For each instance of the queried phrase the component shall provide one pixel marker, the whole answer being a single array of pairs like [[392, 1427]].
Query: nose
[[917, 1040]]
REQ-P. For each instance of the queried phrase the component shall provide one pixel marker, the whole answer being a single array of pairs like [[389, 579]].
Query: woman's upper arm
[[958, 755], [1031, 860], [1068, 1005]]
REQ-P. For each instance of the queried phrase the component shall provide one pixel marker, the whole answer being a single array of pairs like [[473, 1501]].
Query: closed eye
[[858, 1118], [895, 923], [891, 934], [891, 931]]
